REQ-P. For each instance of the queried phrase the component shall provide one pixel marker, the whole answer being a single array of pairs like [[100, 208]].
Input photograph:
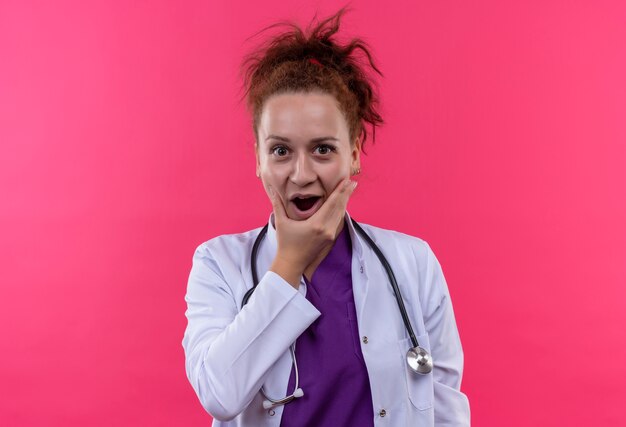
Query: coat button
[[271, 412], [382, 413], [365, 340], [361, 269]]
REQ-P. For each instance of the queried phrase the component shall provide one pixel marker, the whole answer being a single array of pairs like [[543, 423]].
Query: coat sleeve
[[228, 352], [451, 406]]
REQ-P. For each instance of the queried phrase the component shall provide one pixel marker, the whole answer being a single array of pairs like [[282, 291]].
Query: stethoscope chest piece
[[419, 360]]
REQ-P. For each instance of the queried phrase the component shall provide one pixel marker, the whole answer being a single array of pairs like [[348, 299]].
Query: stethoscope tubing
[[377, 251], [392, 279], [418, 359], [253, 256]]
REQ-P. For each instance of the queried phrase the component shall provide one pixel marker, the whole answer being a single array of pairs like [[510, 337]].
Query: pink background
[[123, 147]]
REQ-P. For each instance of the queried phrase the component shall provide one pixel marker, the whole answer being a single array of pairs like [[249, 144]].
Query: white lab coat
[[231, 352]]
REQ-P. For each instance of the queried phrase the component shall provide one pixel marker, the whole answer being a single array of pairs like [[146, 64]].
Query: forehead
[[302, 115]]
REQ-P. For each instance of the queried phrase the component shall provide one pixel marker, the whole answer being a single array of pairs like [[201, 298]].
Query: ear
[[258, 163], [356, 155]]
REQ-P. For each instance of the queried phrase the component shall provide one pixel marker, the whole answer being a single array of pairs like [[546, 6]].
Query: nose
[[303, 172]]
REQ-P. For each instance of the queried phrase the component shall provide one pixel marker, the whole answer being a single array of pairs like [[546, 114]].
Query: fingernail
[[354, 184], [271, 191], [347, 183]]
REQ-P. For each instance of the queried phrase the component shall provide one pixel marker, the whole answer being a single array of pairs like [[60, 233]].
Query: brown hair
[[293, 61]]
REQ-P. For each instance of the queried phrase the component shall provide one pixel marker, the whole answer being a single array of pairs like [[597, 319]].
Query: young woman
[[314, 319]]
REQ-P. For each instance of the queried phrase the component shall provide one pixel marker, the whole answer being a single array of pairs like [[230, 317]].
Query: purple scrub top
[[332, 371]]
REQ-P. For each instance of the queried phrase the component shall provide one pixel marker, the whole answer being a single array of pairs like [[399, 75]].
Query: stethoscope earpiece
[[269, 403]]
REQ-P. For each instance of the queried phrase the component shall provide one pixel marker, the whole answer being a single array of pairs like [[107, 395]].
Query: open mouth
[[304, 204]]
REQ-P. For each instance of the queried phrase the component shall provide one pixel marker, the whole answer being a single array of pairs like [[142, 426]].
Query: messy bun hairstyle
[[312, 61]]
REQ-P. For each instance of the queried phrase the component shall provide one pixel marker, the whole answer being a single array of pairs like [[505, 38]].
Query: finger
[[277, 204], [340, 195], [344, 196], [336, 203]]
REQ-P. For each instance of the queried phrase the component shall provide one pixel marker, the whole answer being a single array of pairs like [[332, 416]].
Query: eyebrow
[[314, 140]]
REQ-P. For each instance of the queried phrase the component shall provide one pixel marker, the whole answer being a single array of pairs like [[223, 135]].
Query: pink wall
[[122, 147]]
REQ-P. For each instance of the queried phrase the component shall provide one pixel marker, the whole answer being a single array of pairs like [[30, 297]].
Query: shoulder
[[226, 247], [399, 243], [413, 261], [221, 262]]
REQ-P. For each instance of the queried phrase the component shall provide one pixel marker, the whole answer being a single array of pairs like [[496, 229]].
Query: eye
[[279, 150], [324, 149]]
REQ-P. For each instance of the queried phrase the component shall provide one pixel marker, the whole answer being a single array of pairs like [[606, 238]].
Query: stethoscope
[[417, 358]]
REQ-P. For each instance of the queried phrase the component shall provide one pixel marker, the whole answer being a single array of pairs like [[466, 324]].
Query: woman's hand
[[300, 243]]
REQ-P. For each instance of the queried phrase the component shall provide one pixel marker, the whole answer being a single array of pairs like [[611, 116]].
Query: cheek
[[333, 176], [273, 175], [275, 178]]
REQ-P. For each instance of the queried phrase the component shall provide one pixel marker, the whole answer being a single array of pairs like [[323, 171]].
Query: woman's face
[[303, 150]]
